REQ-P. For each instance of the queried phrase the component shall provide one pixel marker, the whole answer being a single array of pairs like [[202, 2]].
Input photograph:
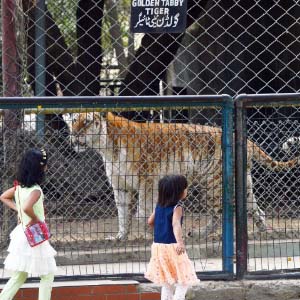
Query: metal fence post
[[241, 189], [227, 185]]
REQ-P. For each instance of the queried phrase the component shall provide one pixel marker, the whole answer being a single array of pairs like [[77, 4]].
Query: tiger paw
[[119, 237]]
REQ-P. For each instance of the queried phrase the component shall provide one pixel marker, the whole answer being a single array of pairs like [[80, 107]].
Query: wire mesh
[[276, 188], [228, 47], [102, 181]]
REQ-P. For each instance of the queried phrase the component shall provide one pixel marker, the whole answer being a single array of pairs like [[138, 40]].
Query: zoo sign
[[158, 16]]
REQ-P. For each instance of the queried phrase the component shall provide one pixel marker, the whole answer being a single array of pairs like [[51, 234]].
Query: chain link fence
[[272, 123], [228, 47], [102, 182]]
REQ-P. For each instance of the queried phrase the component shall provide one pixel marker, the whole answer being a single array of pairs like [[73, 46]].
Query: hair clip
[[44, 157]]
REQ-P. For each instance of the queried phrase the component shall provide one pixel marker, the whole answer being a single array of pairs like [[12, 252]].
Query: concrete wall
[[239, 290]]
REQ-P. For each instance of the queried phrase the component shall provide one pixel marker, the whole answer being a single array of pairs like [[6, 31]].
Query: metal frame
[[242, 102], [122, 103]]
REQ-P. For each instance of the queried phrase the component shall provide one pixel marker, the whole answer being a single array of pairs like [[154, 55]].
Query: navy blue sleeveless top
[[163, 229]]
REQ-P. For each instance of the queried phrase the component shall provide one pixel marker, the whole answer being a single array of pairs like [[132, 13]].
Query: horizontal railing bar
[[58, 110], [112, 101], [268, 100]]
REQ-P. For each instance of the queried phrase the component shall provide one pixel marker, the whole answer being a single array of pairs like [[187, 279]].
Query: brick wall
[[90, 290]]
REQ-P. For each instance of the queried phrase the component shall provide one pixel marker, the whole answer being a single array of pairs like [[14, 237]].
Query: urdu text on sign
[[160, 16]]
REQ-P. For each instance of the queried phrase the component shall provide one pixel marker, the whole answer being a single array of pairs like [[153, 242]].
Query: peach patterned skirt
[[167, 267]]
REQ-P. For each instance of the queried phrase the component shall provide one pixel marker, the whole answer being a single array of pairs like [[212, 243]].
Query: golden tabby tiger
[[136, 155]]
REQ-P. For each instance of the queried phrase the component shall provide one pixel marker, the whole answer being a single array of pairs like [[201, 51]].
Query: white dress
[[38, 260]]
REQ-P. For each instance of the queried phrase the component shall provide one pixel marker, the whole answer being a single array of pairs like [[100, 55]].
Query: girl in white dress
[[22, 259]]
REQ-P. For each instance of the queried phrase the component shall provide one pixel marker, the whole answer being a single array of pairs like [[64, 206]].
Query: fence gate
[[267, 162], [103, 171]]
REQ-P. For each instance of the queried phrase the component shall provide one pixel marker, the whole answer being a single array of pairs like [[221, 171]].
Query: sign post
[[158, 16]]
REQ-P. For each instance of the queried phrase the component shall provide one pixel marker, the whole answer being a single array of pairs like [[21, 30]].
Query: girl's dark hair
[[31, 169], [170, 189]]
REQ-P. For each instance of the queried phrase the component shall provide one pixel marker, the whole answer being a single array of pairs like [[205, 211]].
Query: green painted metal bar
[[268, 100], [110, 101], [227, 186]]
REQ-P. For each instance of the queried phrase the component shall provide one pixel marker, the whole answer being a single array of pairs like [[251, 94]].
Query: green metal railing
[[88, 259]]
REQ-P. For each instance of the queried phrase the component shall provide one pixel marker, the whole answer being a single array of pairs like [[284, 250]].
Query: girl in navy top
[[169, 265]]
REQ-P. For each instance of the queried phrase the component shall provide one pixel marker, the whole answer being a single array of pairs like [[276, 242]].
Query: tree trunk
[[73, 79], [59, 60], [89, 29], [12, 118]]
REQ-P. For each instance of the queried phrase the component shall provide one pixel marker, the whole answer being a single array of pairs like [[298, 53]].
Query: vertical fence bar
[[227, 185], [40, 70], [241, 189]]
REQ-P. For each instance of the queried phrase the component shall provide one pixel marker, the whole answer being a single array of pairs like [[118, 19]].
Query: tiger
[[137, 154]]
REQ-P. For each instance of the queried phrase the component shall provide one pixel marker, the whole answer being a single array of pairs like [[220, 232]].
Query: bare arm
[[151, 219], [177, 229], [7, 198], [28, 206]]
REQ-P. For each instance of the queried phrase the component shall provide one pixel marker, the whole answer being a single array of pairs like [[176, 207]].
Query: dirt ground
[[99, 232]]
